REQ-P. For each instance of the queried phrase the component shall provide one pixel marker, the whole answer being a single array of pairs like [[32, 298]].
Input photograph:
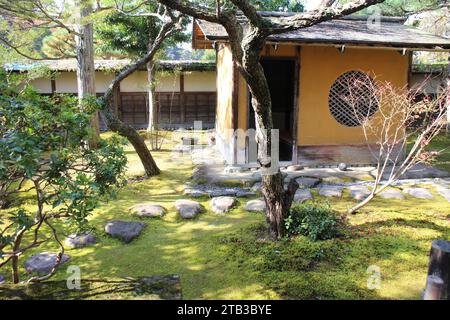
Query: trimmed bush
[[316, 221]]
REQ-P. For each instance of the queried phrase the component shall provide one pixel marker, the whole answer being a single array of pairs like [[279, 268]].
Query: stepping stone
[[256, 187], [392, 194], [245, 194], [188, 209], [228, 192], [124, 230], [2, 278], [149, 210], [330, 191], [80, 241], [444, 192], [258, 205], [43, 263], [307, 182], [294, 168], [419, 193], [195, 193], [222, 204], [359, 192], [302, 195]]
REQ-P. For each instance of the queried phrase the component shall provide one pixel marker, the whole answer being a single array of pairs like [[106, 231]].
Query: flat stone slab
[[302, 195], [124, 230], [245, 194], [2, 278], [359, 192], [445, 192], [222, 204], [195, 193], [420, 171], [330, 191], [392, 194], [80, 241], [43, 263], [188, 209], [147, 210], [225, 192], [258, 205], [419, 193], [307, 182]]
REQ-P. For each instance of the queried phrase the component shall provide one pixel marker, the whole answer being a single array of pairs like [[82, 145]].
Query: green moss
[[229, 257]]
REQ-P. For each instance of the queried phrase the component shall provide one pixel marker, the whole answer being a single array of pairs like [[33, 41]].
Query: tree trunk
[[114, 124], [438, 281], [447, 88], [152, 109], [15, 259], [85, 66], [278, 200]]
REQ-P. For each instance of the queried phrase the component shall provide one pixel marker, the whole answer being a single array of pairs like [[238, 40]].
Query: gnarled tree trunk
[[85, 64], [278, 200], [127, 131]]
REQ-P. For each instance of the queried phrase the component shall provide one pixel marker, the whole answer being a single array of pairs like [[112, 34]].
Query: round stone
[[80, 241], [188, 209], [392, 194], [302, 195], [304, 182], [222, 204], [149, 210], [43, 263], [331, 191], [258, 205], [124, 230], [359, 192], [294, 168], [342, 166]]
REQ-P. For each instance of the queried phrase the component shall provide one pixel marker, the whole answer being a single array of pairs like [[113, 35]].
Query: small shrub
[[316, 221]]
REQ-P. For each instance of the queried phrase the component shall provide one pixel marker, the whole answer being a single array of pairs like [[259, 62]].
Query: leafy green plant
[[316, 221], [44, 154]]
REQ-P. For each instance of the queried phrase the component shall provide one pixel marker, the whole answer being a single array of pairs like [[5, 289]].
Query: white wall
[[66, 82], [42, 85], [200, 81]]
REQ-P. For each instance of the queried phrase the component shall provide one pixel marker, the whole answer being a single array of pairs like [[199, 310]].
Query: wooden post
[[53, 85], [438, 281], [182, 100], [296, 107]]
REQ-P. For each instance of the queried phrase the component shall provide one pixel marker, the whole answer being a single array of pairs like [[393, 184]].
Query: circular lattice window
[[352, 98]]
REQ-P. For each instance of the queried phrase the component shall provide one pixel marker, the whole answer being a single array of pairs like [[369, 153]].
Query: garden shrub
[[44, 153], [316, 221]]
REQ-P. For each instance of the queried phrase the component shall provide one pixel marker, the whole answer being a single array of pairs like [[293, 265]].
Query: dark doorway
[[280, 74]]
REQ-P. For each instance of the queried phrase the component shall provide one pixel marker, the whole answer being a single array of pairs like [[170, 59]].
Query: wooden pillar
[[116, 101], [182, 100], [53, 84], [296, 106], [235, 107], [438, 280]]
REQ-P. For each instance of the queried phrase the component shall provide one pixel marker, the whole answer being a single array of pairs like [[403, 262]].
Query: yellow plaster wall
[[320, 67]]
